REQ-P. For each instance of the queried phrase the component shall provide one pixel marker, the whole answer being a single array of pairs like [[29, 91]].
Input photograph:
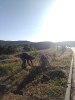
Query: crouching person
[[45, 61], [26, 58]]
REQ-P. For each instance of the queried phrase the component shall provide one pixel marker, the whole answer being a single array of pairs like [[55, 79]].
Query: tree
[[2, 49], [26, 47], [11, 49]]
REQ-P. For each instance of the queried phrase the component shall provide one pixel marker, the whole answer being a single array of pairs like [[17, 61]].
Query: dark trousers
[[23, 62]]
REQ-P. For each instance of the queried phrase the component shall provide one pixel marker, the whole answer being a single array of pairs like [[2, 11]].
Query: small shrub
[[60, 82], [34, 52], [56, 92], [4, 70]]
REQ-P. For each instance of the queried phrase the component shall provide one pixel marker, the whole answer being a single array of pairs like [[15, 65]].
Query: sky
[[37, 20]]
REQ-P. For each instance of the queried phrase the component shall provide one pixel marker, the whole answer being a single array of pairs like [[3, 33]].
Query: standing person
[[26, 57]]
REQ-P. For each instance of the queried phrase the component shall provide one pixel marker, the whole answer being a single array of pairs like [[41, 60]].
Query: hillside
[[37, 45], [14, 42], [42, 45], [66, 43]]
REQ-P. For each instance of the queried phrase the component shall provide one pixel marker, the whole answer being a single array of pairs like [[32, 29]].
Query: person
[[26, 57], [44, 60]]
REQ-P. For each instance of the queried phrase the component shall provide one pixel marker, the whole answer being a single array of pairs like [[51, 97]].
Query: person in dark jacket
[[26, 57]]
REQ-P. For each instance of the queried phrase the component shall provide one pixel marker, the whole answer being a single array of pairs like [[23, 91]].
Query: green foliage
[[7, 49], [60, 82], [34, 52], [11, 49], [2, 49], [57, 88], [5, 69], [55, 92], [26, 47]]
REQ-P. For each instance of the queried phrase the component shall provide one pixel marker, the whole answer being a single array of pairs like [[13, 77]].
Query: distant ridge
[[66, 43], [42, 45], [37, 45], [14, 42]]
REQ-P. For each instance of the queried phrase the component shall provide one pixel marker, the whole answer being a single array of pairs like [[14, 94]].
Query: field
[[38, 82]]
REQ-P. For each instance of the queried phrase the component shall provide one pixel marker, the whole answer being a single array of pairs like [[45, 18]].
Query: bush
[[34, 52], [57, 89], [7, 49], [5, 69], [26, 47]]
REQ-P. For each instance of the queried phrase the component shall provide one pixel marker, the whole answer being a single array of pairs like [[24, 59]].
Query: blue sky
[[37, 20], [22, 19]]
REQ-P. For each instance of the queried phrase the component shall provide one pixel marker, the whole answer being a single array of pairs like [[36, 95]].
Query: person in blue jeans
[[26, 57]]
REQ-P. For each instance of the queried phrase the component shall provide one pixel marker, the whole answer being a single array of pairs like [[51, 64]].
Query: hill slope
[[66, 43], [14, 42]]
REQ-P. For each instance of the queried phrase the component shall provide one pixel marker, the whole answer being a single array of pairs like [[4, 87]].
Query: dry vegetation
[[38, 83]]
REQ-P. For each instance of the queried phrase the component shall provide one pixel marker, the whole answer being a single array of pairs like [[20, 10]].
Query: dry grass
[[38, 83]]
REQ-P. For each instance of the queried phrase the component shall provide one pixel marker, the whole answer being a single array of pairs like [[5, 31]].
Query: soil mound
[[53, 74]]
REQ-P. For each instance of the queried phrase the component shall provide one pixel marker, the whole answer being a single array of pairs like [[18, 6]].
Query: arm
[[30, 58], [28, 62], [31, 62]]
